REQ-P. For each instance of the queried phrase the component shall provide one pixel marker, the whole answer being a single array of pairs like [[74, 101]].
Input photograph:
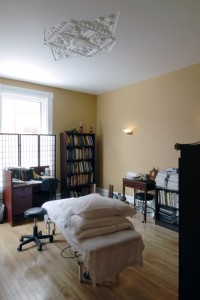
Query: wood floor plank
[[47, 275]]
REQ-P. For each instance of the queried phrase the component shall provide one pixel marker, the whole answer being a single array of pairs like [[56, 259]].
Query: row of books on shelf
[[80, 153], [80, 179], [78, 193], [79, 167], [168, 198], [169, 215], [168, 219], [79, 140]]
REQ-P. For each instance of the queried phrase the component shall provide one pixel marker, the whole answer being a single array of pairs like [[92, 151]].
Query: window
[[25, 111], [25, 129]]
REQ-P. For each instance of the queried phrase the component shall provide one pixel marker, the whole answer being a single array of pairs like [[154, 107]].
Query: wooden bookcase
[[167, 208], [77, 164]]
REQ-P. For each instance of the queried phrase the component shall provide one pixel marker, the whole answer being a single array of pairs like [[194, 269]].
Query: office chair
[[35, 213], [49, 186]]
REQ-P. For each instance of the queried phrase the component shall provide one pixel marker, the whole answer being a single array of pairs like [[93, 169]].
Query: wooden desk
[[142, 185], [18, 198]]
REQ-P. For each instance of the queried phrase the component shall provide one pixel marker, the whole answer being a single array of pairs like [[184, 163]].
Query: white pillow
[[78, 223], [91, 232], [96, 206]]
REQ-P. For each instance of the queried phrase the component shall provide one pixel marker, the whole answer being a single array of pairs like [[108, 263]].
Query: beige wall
[[69, 108], [163, 110]]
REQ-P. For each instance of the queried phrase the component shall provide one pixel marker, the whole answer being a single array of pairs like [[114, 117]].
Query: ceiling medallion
[[82, 38]]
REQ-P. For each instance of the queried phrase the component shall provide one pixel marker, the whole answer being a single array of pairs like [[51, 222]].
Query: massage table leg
[[48, 223], [80, 271]]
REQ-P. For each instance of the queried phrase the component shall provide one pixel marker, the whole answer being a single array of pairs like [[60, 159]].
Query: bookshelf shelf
[[77, 163], [167, 208]]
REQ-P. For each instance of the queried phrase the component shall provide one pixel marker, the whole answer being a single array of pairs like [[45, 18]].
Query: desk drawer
[[22, 199], [135, 185], [139, 184], [22, 191]]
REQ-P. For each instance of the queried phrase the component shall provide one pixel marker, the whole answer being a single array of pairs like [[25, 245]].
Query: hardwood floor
[[47, 275]]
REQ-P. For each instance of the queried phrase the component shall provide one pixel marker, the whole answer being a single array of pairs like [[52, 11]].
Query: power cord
[[74, 254]]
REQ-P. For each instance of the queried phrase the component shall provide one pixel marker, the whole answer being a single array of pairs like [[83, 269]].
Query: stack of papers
[[173, 182], [132, 175], [18, 182], [167, 178], [161, 178]]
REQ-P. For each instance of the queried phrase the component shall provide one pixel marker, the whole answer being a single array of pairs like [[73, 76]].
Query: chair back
[[50, 185]]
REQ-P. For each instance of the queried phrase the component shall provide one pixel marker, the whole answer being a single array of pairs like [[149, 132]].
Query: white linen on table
[[105, 255], [60, 211]]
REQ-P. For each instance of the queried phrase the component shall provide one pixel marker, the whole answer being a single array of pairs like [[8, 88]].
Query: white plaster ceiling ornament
[[82, 38]]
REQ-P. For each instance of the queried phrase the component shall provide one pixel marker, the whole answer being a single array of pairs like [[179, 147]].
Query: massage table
[[100, 230]]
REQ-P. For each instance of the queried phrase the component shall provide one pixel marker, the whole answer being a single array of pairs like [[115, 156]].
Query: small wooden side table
[[142, 185]]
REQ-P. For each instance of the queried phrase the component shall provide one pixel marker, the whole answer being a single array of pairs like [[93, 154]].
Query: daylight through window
[[25, 111]]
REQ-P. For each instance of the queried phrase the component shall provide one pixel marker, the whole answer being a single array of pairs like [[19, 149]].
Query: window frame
[[45, 98]]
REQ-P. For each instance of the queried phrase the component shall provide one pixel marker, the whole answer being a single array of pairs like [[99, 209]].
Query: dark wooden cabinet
[[20, 196], [189, 221], [16, 198], [167, 208], [77, 163], [22, 199]]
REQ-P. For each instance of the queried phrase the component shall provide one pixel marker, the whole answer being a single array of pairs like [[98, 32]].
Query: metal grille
[[29, 150], [48, 152], [26, 150], [9, 155]]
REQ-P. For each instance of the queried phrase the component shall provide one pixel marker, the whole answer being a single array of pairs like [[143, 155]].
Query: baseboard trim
[[104, 193]]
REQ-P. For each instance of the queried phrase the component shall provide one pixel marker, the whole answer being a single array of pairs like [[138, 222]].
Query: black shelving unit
[[77, 163], [167, 208], [189, 248]]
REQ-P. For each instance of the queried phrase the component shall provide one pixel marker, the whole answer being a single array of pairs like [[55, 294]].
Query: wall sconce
[[128, 131]]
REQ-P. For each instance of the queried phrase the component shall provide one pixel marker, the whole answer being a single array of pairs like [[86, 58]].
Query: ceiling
[[153, 37]]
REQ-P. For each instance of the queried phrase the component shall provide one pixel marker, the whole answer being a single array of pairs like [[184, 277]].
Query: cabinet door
[[189, 249], [22, 199]]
